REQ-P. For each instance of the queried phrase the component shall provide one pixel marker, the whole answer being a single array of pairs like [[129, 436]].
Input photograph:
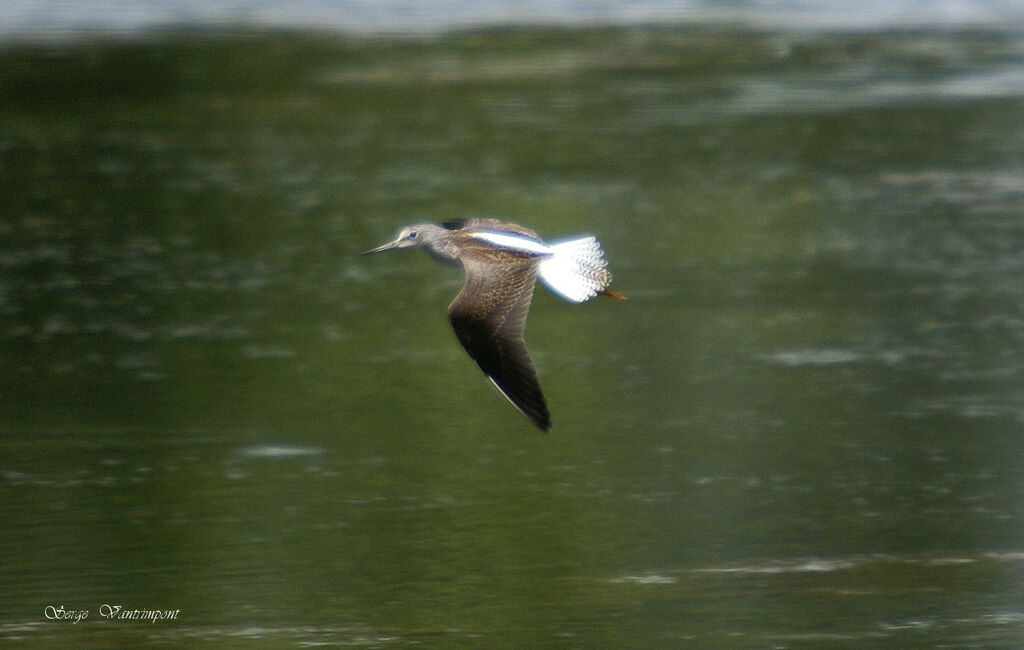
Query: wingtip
[[541, 420]]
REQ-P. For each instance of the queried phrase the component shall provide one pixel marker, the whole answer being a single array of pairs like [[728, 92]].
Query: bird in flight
[[501, 262]]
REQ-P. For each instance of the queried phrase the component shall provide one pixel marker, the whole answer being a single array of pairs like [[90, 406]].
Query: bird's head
[[410, 237]]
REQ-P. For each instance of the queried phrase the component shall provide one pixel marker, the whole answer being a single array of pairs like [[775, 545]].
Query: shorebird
[[501, 262]]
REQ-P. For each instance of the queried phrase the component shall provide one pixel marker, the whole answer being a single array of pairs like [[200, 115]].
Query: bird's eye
[[412, 235]]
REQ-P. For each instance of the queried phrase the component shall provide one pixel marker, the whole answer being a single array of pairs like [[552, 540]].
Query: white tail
[[576, 269]]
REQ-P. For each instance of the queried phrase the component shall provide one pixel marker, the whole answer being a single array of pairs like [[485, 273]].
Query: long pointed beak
[[385, 247]]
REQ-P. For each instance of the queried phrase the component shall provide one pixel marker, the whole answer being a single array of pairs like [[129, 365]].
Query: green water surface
[[803, 430]]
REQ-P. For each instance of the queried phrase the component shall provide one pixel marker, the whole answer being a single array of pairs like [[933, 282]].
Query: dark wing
[[489, 316], [484, 223]]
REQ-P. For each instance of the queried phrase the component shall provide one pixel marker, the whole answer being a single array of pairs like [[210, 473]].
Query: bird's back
[[497, 246], [474, 224]]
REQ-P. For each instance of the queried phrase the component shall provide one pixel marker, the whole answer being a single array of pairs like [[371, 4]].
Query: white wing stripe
[[514, 242]]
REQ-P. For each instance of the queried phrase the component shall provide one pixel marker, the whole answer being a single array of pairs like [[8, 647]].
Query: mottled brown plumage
[[501, 262]]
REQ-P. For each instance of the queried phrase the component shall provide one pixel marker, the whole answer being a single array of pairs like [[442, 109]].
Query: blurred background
[[804, 429]]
